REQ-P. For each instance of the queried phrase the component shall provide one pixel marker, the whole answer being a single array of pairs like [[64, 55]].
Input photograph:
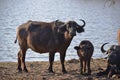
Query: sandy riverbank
[[38, 71]]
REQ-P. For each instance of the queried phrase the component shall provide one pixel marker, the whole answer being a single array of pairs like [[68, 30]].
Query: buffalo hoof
[[65, 72], [25, 70], [81, 73], [19, 70], [51, 71]]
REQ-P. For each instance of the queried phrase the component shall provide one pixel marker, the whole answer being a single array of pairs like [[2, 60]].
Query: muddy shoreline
[[38, 71]]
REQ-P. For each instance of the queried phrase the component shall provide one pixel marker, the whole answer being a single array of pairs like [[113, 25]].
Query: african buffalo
[[45, 37], [113, 58], [85, 52]]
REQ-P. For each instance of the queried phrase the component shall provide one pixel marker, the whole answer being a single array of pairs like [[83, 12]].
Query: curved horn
[[56, 22], [102, 48], [83, 23]]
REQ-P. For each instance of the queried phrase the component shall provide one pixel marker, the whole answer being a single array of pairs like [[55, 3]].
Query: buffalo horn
[[83, 22], [102, 48], [56, 22]]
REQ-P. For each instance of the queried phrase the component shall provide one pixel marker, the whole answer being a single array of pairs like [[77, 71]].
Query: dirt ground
[[38, 71]]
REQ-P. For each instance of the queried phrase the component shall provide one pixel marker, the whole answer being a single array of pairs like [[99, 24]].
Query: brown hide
[[45, 37], [85, 52]]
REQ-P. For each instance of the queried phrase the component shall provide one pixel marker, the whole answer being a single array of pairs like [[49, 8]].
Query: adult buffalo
[[45, 37], [113, 58]]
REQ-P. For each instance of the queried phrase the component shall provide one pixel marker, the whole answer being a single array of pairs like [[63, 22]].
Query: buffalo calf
[[85, 52]]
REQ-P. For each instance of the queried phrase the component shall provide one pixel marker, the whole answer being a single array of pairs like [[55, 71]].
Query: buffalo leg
[[81, 66], [113, 70], [51, 61], [23, 59], [88, 67], [105, 72], [84, 65], [19, 62], [62, 59], [110, 73]]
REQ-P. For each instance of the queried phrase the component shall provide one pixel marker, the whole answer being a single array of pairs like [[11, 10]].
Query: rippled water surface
[[102, 22]]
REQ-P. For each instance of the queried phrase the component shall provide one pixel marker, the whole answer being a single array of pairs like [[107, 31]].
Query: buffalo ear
[[76, 47], [62, 28]]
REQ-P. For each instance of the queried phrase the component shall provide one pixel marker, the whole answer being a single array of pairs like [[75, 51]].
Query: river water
[[102, 23]]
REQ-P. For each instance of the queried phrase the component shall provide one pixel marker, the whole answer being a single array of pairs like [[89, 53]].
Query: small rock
[[73, 61]]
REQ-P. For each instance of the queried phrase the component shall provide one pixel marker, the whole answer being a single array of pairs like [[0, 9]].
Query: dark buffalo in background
[[85, 52], [45, 37], [113, 60]]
